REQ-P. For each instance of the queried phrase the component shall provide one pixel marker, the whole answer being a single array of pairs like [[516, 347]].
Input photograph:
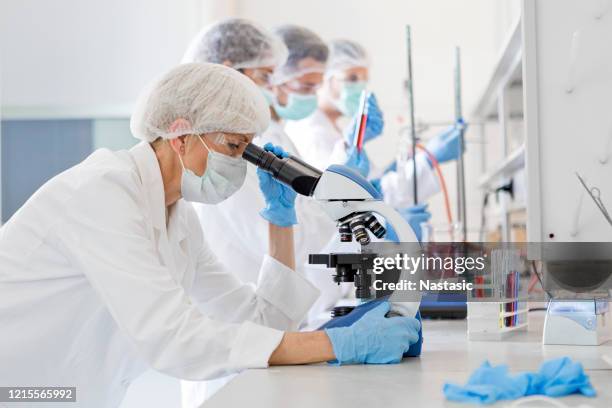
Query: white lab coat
[[96, 286], [238, 219], [321, 143]]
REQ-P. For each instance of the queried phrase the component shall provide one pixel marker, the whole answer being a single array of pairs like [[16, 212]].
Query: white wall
[[84, 55]]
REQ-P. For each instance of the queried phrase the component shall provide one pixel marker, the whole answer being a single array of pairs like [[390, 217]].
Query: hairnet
[[201, 98], [345, 54], [301, 43], [241, 42]]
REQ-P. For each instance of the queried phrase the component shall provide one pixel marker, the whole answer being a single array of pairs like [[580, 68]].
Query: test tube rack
[[492, 321]]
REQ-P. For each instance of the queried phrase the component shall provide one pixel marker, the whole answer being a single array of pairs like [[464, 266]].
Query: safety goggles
[[295, 85], [262, 77], [352, 78], [229, 145]]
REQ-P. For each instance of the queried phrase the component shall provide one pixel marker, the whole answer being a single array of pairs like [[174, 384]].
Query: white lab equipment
[[567, 83], [497, 306], [98, 283]]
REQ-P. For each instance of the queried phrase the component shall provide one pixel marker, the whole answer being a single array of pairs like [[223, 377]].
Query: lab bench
[[416, 382]]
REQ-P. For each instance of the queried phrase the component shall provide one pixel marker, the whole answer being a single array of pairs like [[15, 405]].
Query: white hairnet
[[199, 98], [240, 42], [301, 43], [345, 54]]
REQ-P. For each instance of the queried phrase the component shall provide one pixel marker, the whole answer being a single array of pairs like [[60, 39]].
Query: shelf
[[515, 161], [507, 73]]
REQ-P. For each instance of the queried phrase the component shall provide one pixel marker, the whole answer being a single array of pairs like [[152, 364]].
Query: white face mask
[[224, 176]]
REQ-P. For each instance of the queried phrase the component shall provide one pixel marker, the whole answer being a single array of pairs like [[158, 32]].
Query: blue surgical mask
[[350, 96], [298, 106], [224, 175]]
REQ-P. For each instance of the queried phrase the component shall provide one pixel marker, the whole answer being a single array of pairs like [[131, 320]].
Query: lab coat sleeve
[[280, 300], [105, 235], [314, 229], [397, 186], [237, 224]]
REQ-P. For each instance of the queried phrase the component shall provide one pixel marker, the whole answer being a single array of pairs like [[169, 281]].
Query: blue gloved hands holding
[[374, 339], [358, 161], [280, 199], [447, 145], [415, 216], [374, 125]]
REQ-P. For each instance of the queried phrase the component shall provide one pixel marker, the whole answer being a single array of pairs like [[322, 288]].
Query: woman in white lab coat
[[104, 271], [322, 138]]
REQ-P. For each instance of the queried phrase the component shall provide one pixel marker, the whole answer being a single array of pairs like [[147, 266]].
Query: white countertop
[[416, 382]]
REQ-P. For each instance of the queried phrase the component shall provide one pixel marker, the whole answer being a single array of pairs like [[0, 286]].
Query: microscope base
[[571, 322]]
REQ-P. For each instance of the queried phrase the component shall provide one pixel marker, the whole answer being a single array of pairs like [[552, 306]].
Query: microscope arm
[[341, 194]]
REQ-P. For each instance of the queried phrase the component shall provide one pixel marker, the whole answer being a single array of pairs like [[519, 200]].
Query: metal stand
[[461, 206]]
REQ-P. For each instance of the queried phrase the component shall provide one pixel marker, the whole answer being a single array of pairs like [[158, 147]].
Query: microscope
[[351, 201]]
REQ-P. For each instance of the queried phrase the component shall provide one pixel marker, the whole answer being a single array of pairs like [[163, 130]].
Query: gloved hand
[[374, 125], [358, 161], [374, 339], [280, 199], [447, 145], [415, 216]]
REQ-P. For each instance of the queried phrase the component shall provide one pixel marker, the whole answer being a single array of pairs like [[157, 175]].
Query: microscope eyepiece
[[300, 176]]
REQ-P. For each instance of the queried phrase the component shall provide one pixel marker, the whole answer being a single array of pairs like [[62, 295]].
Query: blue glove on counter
[[374, 125], [488, 384], [280, 199], [358, 161], [414, 216], [446, 146], [374, 339]]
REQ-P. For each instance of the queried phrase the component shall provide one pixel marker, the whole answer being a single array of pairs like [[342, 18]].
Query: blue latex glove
[[280, 199], [415, 216], [358, 161], [562, 376], [362, 309], [446, 146], [391, 167], [489, 384], [377, 185], [374, 339], [374, 125]]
